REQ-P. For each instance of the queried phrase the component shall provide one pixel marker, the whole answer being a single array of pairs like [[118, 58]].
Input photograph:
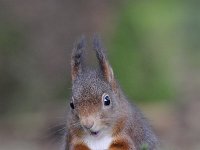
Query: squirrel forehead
[[89, 87]]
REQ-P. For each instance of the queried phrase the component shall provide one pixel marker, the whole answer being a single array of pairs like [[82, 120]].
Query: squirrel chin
[[97, 134]]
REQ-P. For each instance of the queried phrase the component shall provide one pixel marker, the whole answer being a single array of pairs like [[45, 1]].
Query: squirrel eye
[[72, 105], [106, 100]]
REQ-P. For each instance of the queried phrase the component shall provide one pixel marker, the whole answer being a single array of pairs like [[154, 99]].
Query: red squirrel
[[100, 116]]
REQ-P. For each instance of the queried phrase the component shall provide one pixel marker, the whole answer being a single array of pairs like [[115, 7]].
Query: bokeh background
[[153, 47]]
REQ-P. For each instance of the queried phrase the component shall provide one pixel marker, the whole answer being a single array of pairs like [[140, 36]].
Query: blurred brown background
[[153, 47]]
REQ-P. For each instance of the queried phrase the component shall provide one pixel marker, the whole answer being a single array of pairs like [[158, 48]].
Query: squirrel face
[[94, 92], [92, 102]]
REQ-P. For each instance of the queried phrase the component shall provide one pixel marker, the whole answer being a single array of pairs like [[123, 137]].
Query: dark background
[[153, 47]]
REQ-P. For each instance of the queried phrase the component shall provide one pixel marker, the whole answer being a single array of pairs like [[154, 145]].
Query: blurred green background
[[153, 47]]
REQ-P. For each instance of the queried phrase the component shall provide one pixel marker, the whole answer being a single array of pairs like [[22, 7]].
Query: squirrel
[[100, 116]]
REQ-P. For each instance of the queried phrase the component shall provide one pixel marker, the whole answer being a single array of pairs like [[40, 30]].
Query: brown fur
[[81, 146], [74, 73], [119, 144], [119, 126], [106, 70]]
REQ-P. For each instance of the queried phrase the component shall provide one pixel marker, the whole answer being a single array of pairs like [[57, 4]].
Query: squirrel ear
[[77, 58], [103, 62]]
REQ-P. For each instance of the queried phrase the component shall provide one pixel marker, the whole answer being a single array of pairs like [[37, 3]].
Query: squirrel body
[[101, 117]]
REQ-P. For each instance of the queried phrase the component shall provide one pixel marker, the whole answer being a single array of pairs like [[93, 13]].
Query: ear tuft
[[77, 57], [103, 62]]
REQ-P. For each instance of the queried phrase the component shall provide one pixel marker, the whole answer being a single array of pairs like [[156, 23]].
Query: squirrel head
[[94, 92]]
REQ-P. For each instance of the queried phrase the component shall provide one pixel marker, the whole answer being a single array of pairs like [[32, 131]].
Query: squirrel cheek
[[102, 116]]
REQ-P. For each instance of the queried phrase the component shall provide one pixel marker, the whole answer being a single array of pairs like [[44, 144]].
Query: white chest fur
[[98, 143]]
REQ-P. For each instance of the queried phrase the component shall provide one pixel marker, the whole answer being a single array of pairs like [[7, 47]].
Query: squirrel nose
[[88, 124]]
